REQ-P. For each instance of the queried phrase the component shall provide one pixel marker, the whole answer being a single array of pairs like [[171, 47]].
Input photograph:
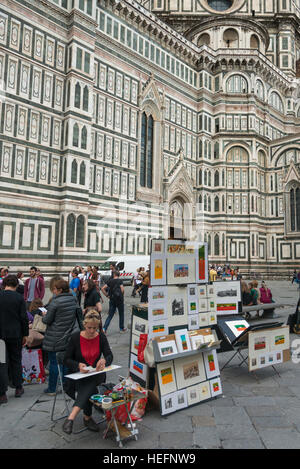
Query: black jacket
[[13, 316], [73, 355], [62, 313], [91, 298]]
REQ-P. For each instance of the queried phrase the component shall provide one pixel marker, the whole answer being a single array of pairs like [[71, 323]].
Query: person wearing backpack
[[114, 290]]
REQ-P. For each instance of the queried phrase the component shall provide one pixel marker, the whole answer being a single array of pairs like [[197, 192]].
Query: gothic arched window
[[295, 208], [216, 179], [77, 97], [217, 204], [83, 137], [85, 99], [217, 245], [75, 135], [146, 160], [70, 236], [80, 231], [74, 172], [82, 174], [236, 84]]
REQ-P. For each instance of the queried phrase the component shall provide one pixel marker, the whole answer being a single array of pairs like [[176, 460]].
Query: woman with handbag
[[60, 319], [86, 348]]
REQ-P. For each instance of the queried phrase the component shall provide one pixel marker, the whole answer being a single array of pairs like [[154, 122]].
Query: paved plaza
[[260, 410]]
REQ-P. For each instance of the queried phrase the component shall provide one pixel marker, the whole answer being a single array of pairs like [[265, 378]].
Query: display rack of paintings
[[181, 308]]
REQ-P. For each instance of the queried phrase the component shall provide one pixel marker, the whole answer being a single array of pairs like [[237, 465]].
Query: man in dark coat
[[14, 330]]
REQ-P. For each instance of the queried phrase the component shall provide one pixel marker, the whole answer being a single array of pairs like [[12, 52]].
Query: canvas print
[[211, 364], [167, 348], [215, 387], [182, 340], [166, 377], [189, 371]]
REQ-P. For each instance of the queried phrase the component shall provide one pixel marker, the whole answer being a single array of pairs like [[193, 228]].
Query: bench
[[266, 307]]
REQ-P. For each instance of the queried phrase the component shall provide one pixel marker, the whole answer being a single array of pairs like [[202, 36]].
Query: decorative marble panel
[[39, 46], [3, 28], [110, 114], [32, 164], [125, 154], [6, 160], [22, 122], [102, 77], [127, 89], [132, 157], [119, 85], [9, 119], [12, 75], [36, 84], [19, 162], [108, 149], [25, 76], [98, 180], [48, 88], [15, 31], [117, 151], [118, 117], [111, 81], [44, 167], [27, 40], [34, 125], [101, 111], [60, 56], [100, 146], [116, 183], [107, 182]]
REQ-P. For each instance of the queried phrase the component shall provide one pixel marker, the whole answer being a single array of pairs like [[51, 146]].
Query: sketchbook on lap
[[92, 371]]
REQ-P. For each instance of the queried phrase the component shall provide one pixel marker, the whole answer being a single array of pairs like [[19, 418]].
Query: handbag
[[34, 339], [141, 348], [38, 324]]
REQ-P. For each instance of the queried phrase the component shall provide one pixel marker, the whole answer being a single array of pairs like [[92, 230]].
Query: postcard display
[[181, 308], [268, 347]]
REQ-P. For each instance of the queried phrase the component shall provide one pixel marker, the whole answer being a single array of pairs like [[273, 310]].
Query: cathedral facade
[[122, 121]]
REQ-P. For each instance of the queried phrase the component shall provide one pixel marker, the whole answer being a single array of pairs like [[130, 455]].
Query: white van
[[126, 265]]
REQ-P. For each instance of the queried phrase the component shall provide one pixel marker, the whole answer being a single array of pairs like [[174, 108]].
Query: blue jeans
[[53, 371], [111, 311]]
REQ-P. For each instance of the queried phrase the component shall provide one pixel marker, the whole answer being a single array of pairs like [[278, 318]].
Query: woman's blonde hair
[[93, 315]]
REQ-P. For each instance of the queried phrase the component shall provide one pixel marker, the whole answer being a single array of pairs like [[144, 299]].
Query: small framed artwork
[[158, 267], [167, 348], [183, 340], [204, 390], [158, 328], [202, 263], [215, 387], [211, 305], [203, 319], [177, 306], [181, 399], [179, 248], [157, 303], [135, 339], [166, 377], [211, 364], [180, 270], [210, 292], [212, 318], [139, 325], [197, 341], [237, 327], [189, 370], [193, 321], [137, 368], [193, 395], [202, 291], [192, 299], [203, 306], [168, 403], [280, 339], [157, 246], [157, 294]]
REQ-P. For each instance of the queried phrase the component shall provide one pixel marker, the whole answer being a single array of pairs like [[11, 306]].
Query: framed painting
[[158, 275], [139, 325], [167, 348], [203, 305], [137, 368], [183, 341], [135, 339], [192, 299], [157, 246], [204, 319], [158, 328], [180, 270], [211, 364], [177, 306], [180, 248], [193, 321], [168, 403], [215, 387], [166, 377], [193, 395], [181, 398], [189, 370], [204, 390]]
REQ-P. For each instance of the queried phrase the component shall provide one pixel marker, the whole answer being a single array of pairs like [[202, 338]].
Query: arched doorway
[[176, 220]]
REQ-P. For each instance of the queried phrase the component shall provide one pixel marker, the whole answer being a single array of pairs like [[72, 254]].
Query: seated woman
[[266, 295], [246, 298], [255, 294], [85, 349]]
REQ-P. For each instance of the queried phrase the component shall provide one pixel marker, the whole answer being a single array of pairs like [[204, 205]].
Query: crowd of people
[[73, 337], [221, 272]]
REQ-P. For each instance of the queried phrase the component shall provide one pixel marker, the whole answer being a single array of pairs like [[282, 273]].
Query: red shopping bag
[[142, 344]]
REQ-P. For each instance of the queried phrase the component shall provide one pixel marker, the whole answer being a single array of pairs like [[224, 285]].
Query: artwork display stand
[[266, 344], [180, 298]]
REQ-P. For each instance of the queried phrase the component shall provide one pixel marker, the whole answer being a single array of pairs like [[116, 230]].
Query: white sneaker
[[122, 331]]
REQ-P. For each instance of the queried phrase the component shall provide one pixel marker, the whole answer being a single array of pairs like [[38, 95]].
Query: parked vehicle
[[126, 265]]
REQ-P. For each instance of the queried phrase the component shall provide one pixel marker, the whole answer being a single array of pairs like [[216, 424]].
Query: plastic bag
[[141, 348]]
